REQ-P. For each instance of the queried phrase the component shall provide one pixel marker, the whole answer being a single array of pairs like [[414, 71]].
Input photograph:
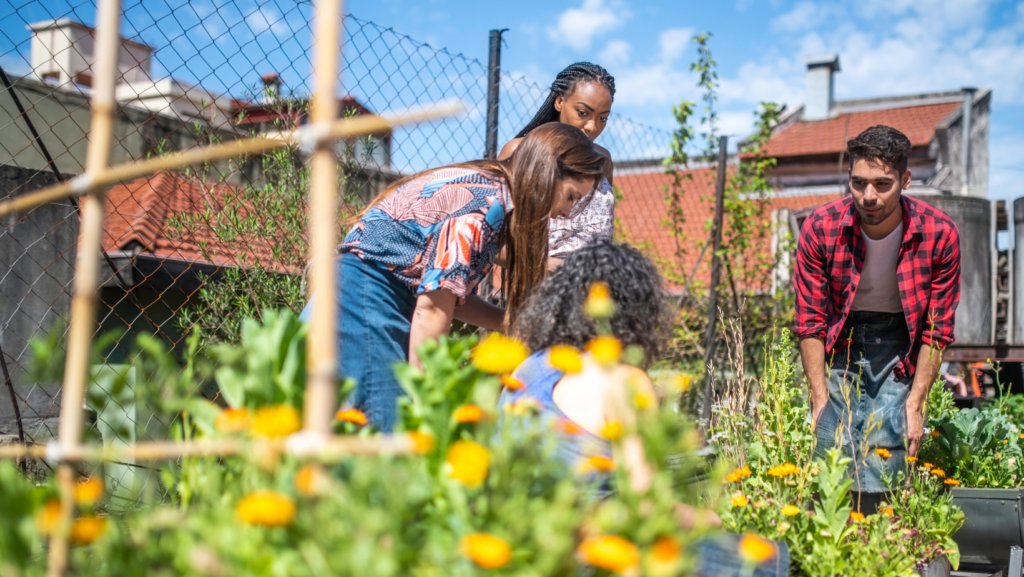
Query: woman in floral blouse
[[414, 258], [580, 96]]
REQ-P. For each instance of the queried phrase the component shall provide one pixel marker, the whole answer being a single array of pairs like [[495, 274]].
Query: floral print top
[[438, 231], [594, 221]]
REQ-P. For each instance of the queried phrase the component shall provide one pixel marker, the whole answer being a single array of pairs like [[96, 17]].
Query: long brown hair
[[550, 152]]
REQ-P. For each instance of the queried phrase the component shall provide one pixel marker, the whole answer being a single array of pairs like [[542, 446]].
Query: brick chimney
[[820, 86]]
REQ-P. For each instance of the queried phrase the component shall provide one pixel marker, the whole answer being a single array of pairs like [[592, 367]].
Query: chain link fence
[[205, 247]]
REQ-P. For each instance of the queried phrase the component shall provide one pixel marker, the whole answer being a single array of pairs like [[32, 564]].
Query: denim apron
[[867, 403]]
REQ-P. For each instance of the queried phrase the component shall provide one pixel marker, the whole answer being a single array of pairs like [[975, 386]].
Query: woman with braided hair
[[580, 96]]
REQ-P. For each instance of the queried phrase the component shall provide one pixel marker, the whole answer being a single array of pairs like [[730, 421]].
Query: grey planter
[[993, 523], [938, 567]]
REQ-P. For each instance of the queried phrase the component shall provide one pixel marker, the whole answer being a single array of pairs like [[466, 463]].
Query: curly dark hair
[[883, 143], [554, 313]]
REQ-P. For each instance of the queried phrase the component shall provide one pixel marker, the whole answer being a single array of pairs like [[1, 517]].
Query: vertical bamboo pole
[[323, 213], [83, 305]]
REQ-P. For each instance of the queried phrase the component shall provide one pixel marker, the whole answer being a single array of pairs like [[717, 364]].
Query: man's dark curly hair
[[883, 143], [554, 313]]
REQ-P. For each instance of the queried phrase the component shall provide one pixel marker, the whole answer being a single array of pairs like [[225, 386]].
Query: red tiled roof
[[830, 136], [149, 211], [644, 221]]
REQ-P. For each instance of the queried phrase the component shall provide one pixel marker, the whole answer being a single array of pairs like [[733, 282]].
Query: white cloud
[[577, 26], [615, 52], [803, 16], [266, 18], [674, 42]]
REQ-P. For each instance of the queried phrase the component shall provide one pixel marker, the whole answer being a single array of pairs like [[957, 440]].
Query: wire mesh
[[205, 247]]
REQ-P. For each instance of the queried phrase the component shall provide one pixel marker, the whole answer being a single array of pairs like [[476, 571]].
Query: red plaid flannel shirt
[[830, 257]]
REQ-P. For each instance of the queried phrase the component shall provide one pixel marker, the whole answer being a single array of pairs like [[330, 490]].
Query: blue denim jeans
[[867, 406], [374, 320]]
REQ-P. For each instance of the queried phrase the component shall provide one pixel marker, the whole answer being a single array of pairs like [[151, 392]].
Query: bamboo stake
[[331, 447], [83, 305], [323, 214], [90, 181]]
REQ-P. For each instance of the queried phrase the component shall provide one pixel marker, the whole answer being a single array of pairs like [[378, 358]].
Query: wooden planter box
[[993, 523]]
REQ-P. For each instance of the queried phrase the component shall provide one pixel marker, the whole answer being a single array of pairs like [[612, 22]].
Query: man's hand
[[818, 403], [915, 425]]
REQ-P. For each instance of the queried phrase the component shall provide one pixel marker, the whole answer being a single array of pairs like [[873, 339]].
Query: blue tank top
[[573, 445]]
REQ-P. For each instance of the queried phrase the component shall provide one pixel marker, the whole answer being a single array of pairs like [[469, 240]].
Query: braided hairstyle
[[564, 85]]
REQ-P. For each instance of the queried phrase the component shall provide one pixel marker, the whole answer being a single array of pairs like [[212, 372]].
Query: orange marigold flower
[[266, 508], [927, 465], [1021, 436], [565, 358], [568, 427], [598, 463], [89, 491], [609, 552], [48, 517], [469, 462], [790, 510], [599, 303], [87, 529], [511, 383], [739, 474], [612, 430], [422, 442], [232, 420], [666, 549], [935, 433], [911, 459], [310, 480], [938, 472], [783, 470], [887, 512], [276, 421], [953, 482], [468, 414], [857, 517], [606, 350], [883, 453], [498, 354], [739, 500], [354, 416], [755, 549], [487, 551]]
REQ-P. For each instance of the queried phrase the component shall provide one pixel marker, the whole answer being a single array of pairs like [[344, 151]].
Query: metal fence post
[[493, 87], [716, 262]]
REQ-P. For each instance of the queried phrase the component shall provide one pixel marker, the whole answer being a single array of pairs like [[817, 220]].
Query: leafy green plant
[[978, 448]]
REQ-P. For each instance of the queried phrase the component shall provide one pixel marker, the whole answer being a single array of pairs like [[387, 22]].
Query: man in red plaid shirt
[[877, 284]]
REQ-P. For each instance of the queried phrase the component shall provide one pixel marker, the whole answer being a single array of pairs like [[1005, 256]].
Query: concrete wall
[[949, 137]]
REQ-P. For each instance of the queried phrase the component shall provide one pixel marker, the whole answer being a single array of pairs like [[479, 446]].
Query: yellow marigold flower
[[606, 350], [354, 416], [911, 459], [783, 470], [422, 442], [48, 517], [935, 433], [469, 462], [310, 480], [609, 552], [887, 512], [232, 420], [276, 421], [1005, 441], [599, 303], [644, 400], [739, 500], [1021, 436], [938, 472], [498, 354], [266, 508], [598, 463], [790, 510], [89, 491], [612, 430], [512, 383], [468, 414], [755, 549], [953, 482], [487, 551], [927, 465], [857, 517], [680, 383], [739, 474], [87, 529], [883, 453], [565, 358]]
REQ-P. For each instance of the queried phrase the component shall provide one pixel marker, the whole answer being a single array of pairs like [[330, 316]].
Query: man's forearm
[[812, 354], [928, 363]]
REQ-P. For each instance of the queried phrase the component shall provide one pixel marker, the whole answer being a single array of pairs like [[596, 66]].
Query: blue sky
[[886, 47]]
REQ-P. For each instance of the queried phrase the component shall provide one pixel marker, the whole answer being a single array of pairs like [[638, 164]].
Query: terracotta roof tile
[[830, 136]]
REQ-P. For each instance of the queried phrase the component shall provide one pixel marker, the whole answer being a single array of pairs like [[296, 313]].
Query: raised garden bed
[[993, 524]]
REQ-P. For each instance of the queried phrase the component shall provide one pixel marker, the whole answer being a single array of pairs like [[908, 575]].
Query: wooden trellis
[[315, 439]]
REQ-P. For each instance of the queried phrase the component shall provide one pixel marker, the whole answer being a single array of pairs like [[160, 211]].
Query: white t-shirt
[[878, 289]]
